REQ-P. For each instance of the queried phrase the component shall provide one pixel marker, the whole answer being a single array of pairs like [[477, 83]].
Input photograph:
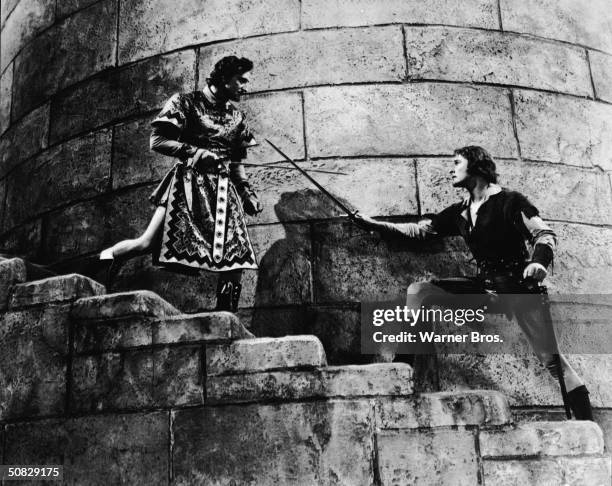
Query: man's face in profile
[[237, 86], [459, 173]]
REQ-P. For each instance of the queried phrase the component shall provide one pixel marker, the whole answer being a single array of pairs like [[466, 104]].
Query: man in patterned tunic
[[494, 223], [199, 223]]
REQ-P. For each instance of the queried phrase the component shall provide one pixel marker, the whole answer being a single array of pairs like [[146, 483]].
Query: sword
[[351, 214], [266, 166]]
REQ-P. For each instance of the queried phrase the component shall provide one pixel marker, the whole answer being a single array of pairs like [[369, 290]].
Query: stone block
[[33, 357], [264, 354], [68, 52], [6, 88], [27, 20], [23, 240], [112, 334], [370, 186], [25, 138], [67, 7], [206, 326], [133, 161], [428, 457], [572, 194], [566, 20], [424, 118], [477, 56], [130, 91], [338, 13], [54, 289], [571, 471], [304, 58], [445, 409], [278, 117], [555, 128], [135, 303], [102, 450], [543, 439], [78, 169], [178, 376], [601, 68], [12, 271], [301, 443], [147, 28], [375, 380], [284, 275], [351, 265], [583, 263]]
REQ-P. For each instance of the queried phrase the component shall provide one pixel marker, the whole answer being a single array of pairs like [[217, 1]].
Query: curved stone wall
[[380, 90]]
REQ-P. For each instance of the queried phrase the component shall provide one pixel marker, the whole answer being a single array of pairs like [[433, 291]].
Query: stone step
[[265, 354], [34, 271], [356, 381], [62, 288], [12, 271]]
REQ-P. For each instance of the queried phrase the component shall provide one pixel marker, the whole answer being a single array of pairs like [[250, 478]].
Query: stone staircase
[[125, 389]]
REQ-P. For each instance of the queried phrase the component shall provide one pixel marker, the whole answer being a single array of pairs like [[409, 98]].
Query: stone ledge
[[204, 326], [12, 271], [136, 303], [474, 407], [261, 354], [337, 382], [543, 438], [54, 289]]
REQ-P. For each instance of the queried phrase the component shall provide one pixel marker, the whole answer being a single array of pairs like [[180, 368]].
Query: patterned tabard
[[204, 225]]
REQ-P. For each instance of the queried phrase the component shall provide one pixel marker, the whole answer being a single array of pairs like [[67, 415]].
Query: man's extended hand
[[535, 271], [364, 221], [252, 206], [205, 158]]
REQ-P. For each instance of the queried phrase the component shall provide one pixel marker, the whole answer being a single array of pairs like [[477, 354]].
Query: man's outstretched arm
[[421, 230]]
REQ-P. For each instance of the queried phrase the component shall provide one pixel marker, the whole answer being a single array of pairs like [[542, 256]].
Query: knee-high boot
[[580, 404], [225, 291]]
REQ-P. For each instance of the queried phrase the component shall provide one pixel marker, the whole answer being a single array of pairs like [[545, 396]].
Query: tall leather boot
[[225, 291], [236, 296], [580, 404]]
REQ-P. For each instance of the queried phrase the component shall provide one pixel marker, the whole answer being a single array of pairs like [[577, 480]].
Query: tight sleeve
[[173, 113], [528, 221], [164, 140]]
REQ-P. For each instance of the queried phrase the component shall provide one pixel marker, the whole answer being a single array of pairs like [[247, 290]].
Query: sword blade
[[269, 166], [350, 213]]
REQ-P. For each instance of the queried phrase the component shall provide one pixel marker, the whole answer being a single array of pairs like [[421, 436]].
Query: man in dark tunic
[[495, 223]]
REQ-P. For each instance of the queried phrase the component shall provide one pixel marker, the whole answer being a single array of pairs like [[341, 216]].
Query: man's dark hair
[[228, 67], [480, 162]]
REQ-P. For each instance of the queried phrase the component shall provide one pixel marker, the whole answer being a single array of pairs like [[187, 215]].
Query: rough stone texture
[[543, 439], [133, 161], [6, 83], [130, 91], [136, 303], [153, 27], [91, 225], [445, 409], [113, 449], [82, 45], [12, 271], [178, 376], [601, 68], [576, 22], [77, 169], [66, 7], [385, 266], [331, 443], [6, 8], [54, 289], [25, 138], [208, 326], [278, 117], [466, 55], [336, 13], [304, 58], [384, 379], [425, 118], [33, 350], [572, 194], [112, 334], [584, 260], [27, 19], [263, 354], [570, 471], [24, 240], [556, 128], [371, 186], [428, 457], [284, 275]]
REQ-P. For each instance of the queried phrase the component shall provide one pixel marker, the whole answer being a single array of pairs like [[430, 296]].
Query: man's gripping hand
[[535, 271]]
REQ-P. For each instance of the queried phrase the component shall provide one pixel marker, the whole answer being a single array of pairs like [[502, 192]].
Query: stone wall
[[380, 90]]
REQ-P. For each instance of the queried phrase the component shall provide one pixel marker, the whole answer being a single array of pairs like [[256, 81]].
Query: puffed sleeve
[[527, 220], [173, 113]]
